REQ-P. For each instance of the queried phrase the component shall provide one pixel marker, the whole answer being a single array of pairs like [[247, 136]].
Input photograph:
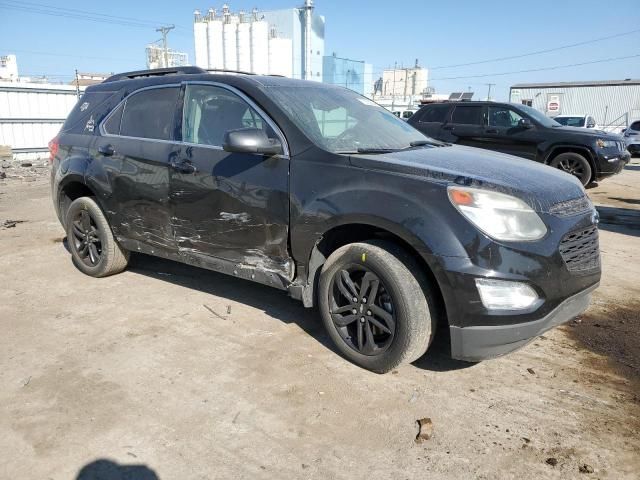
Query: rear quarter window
[[88, 112]]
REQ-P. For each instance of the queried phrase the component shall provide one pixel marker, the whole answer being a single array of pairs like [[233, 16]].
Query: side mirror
[[525, 123], [251, 140], [591, 125]]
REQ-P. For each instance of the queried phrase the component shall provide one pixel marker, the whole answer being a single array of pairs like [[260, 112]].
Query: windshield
[[570, 121], [341, 121], [538, 116]]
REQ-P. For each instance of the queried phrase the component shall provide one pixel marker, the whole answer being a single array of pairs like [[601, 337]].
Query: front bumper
[[634, 148], [477, 343], [611, 163]]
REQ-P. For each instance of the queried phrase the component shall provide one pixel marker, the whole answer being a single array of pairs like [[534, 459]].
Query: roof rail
[[156, 72], [224, 70], [241, 72]]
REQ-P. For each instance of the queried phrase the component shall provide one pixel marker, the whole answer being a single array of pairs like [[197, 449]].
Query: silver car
[[632, 137]]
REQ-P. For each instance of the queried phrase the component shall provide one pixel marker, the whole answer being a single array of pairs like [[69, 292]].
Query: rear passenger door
[[430, 119], [140, 135], [465, 126], [230, 206]]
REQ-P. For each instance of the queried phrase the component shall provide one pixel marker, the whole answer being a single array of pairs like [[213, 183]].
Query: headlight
[[606, 143], [500, 216]]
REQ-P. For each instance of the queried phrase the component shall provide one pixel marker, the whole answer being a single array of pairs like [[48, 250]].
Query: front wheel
[[374, 308], [575, 164], [94, 250]]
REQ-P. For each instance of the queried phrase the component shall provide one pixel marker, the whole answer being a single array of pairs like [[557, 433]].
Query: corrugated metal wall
[[32, 114], [607, 103]]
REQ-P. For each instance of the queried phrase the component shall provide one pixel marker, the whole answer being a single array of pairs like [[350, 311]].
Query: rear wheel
[[94, 250], [373, 307], [575, 164]]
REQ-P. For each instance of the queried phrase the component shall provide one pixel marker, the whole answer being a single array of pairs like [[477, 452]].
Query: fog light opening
[[505, 295]]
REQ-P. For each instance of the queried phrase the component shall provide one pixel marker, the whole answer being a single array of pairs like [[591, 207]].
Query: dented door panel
[[234, 207]]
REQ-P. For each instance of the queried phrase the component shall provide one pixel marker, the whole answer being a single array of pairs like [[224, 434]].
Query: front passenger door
[[505, 134], [230, 206]]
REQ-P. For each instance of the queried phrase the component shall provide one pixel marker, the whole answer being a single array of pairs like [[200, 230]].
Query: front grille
[[580, 250], [571, 207]]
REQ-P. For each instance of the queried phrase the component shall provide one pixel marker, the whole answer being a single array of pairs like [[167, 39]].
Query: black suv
[[590, 155], [318, 191]]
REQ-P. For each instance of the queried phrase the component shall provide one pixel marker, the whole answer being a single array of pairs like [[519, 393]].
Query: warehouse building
[[613, 103], [287, 42]]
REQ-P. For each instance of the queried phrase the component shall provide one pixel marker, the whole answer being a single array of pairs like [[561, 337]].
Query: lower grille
[[580, 250]]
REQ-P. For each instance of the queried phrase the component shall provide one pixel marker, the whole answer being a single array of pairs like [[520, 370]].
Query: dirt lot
[[172, 372]]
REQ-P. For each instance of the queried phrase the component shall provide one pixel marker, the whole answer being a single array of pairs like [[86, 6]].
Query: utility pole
[[77, 85], [164, 31], [489, 93], [393, 89]]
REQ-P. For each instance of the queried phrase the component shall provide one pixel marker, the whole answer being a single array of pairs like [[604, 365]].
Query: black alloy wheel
[[362, 310], [574, 164], [87, 238]]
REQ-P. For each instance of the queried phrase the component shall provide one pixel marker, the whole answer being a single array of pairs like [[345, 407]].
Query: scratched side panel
[[234, 207], [141, 191]]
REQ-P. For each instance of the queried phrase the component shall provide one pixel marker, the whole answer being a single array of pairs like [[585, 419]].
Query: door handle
[[491, 130], [183, 166], [447, 127], [106, 150]]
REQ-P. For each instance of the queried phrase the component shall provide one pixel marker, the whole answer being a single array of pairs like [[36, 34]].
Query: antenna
[[164, 31]]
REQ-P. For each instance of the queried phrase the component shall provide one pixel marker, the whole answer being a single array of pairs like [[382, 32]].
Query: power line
[[87, 57], [87, 12], [72, 14], [538, 52], [484, 75]]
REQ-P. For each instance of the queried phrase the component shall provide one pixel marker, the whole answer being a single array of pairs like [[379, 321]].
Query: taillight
[[53, 148]]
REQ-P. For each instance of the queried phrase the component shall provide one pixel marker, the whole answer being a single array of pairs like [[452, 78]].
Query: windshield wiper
[[377, 150]]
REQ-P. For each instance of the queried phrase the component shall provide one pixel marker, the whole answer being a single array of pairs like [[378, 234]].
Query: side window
[[467, 115], [112, 125], [210, 112], [503, 117], [635, 126], [149, 114], [435, 113]]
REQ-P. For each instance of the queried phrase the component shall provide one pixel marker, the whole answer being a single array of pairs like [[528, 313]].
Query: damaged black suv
[[318, 191]]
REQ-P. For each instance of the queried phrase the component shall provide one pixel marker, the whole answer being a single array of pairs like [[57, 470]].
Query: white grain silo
[[229, 35], [214, 41], [259, 45], [200, 39], [280, 56], [244, 43]]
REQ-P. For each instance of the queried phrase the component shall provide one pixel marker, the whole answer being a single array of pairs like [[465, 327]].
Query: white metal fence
[[31, 114]]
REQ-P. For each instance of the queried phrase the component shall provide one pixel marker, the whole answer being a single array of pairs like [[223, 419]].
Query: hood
[[539, 185], [589, 132]]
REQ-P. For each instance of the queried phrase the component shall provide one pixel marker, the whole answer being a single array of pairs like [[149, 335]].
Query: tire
[[403, 294], [94, 250], [574, 164]]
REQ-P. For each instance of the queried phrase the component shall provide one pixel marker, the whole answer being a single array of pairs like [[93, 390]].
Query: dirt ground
[[171, 372]]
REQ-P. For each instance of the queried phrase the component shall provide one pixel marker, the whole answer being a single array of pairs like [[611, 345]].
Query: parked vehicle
[[579, 121], [315, 190], [632, 138], [520, 130]]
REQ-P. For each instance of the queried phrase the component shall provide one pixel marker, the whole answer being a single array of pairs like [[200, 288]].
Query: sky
[[439, 34]]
